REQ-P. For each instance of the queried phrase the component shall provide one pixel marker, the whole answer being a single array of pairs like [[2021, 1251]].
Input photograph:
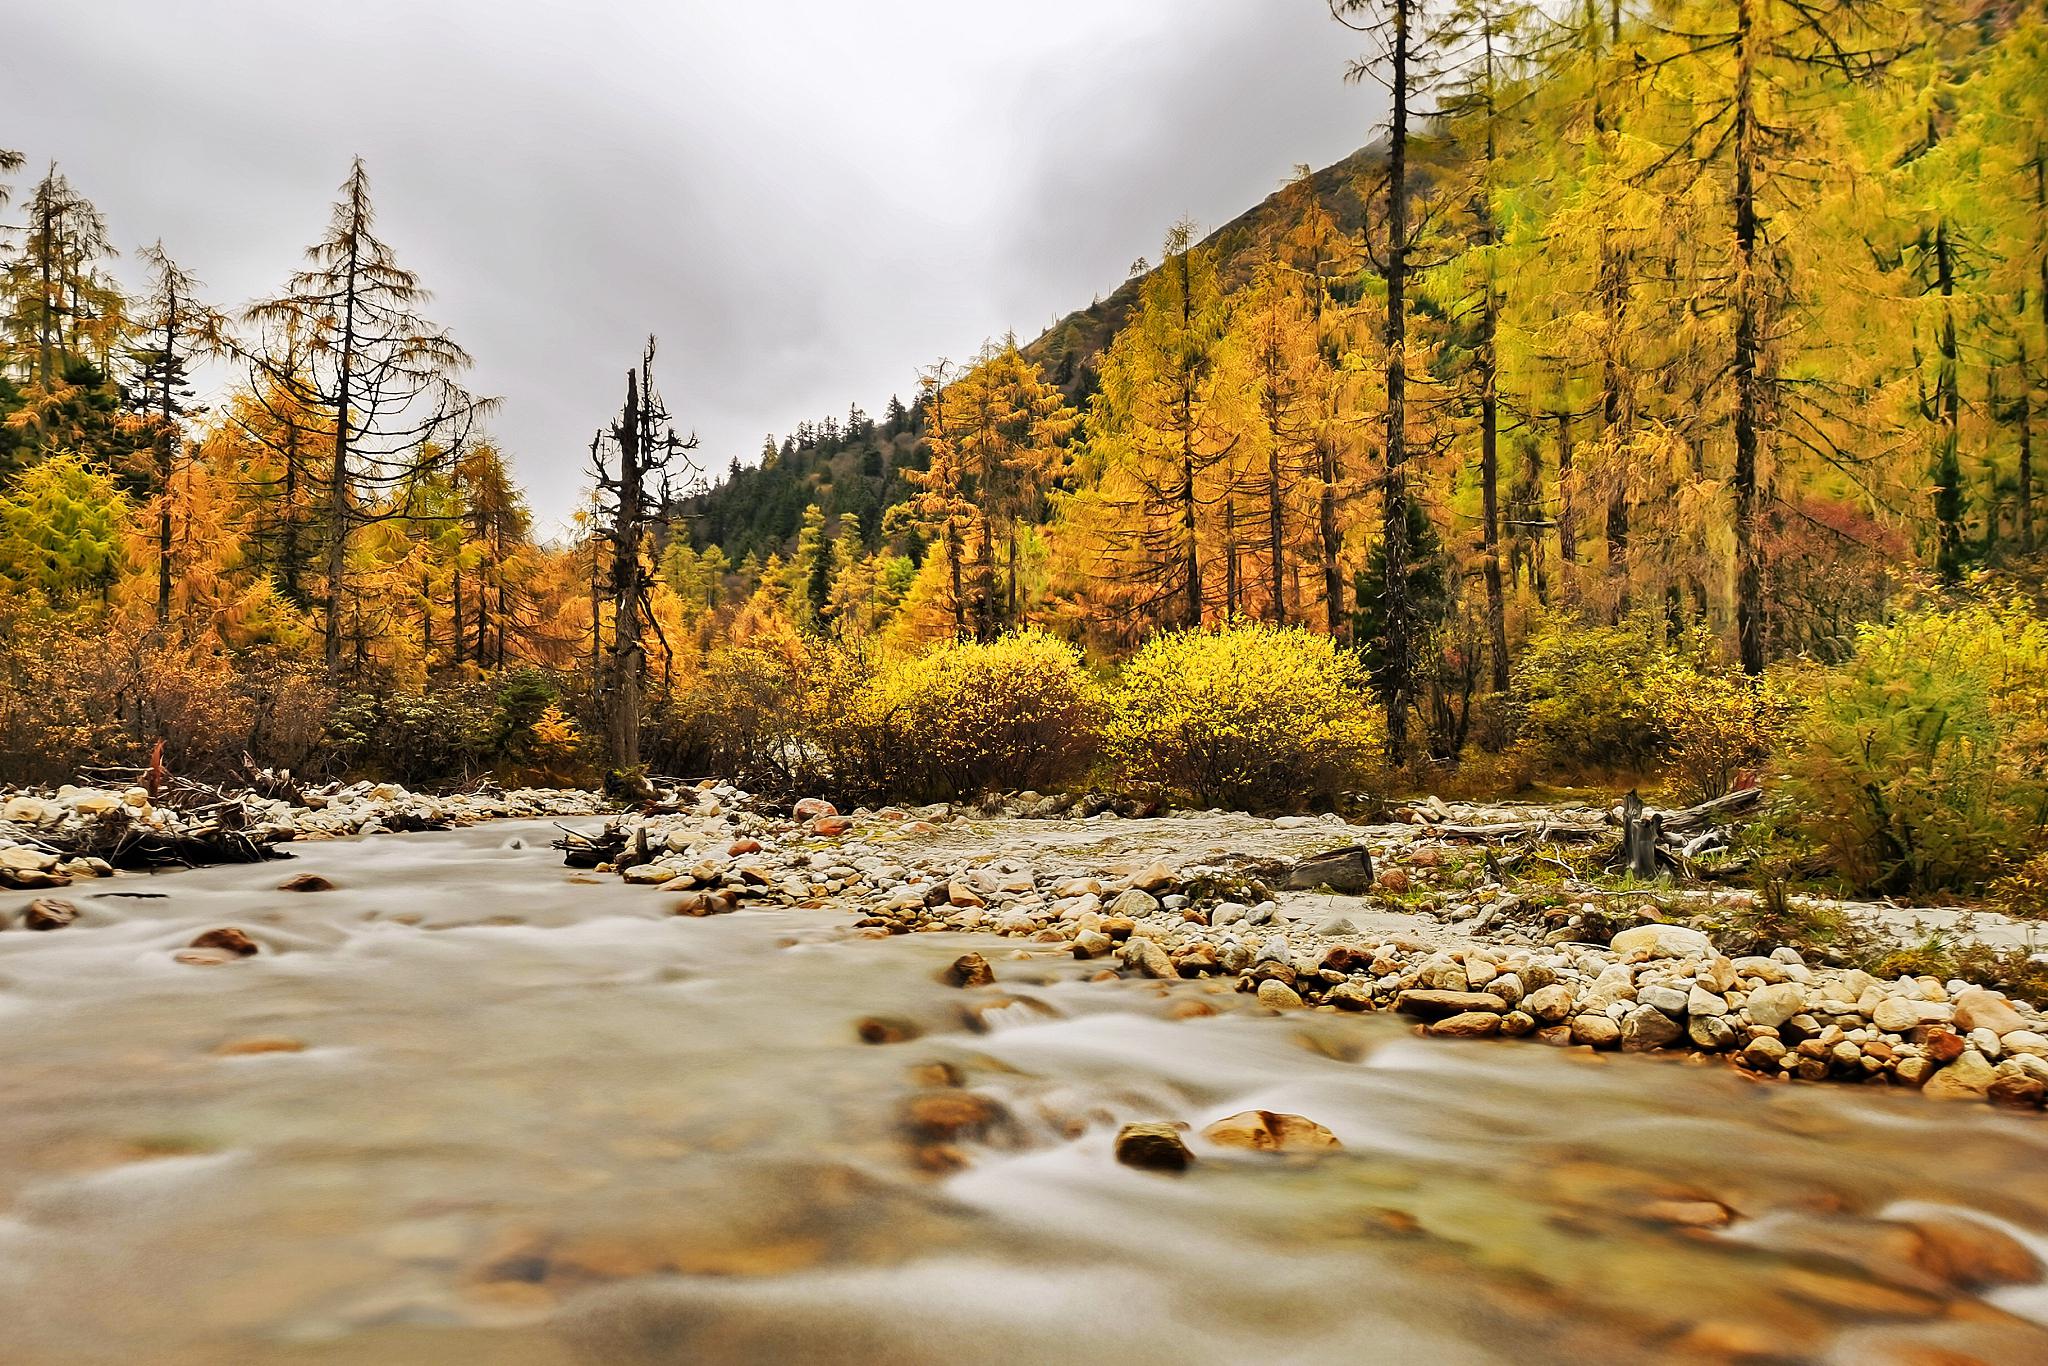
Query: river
[[471, 1107]]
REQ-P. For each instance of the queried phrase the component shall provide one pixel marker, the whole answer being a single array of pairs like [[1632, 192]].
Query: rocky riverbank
[[50, 837], [1310, 913]]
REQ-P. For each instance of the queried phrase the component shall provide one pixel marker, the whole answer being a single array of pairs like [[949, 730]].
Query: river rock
[[1550, 1004], [1152, 1147], [1969, 1077], [48, 913], [1134, 904], [1773, 1004], [810, 808], [1349, 996], [1148, 957], [2017, 1091], [1441, 973], [1154, 878], [879, 1029], [1430, 1005], [1711, 1032], [1347, 871], [305, 882], [1092, 944], [1980, 1009], [1647, 1028], [1269, 1131], [970, 970], [2025, 1042], [949, 1114], [1662, 941], [1278, 995], [1700, 1001], [1473, 1024], [1669, 999], [227, 939], [1596, 1031]]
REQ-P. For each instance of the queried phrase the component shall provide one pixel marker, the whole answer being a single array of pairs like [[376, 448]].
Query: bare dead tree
[[637, 463]]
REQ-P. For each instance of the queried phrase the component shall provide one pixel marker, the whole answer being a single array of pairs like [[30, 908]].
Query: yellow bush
[[1713, 731], [1251, 716], [555, 748], [1016, 713], [1923, 763]]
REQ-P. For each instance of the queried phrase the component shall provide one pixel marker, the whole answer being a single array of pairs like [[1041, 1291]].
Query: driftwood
[[1588, 824], [206, 825]]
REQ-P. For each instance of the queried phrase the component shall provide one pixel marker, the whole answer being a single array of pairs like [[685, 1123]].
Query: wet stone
[[1152, 1147]]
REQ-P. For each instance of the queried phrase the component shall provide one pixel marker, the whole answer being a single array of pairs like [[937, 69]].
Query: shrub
[[1712, 730], [1923, 763], [745, 716], [962, 719], [90, 691], [1251, 716], [1612, 699], [1582, 697]]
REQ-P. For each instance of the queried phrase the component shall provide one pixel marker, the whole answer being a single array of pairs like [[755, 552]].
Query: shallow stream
[[471, 1107]]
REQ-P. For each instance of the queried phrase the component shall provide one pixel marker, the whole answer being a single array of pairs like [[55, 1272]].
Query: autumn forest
[[1698, 340]]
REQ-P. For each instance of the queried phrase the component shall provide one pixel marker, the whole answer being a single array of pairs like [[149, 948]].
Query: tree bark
[[1396, 687], [1749, 578]]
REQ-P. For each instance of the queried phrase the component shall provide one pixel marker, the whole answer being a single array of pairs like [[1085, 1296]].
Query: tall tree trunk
[[1489, 400], [953, 572], [2026, 471], [1567, 516], [1230, 554], [337, 493], [457, 646], [167, 445], [985, 590], [291, 551], [1948, 468], [1275, 527], [1396, 684], [1327, 537], [1614, 415], [1749, 576], [628, 655], [1191, 611]]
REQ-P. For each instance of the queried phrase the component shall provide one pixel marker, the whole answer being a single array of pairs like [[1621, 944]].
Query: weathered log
[[1587, 824]]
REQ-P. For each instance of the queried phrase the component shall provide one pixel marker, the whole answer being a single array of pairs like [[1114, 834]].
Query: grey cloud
[[806, 200]]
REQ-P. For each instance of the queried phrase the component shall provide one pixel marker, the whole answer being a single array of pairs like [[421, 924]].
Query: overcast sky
[[805, 199]]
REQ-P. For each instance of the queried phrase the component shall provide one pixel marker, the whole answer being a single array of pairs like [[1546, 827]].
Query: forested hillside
[[1689, 337]]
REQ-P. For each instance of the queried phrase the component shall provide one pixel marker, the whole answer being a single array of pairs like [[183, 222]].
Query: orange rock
[[1270, 1131], [1970, 1255], [1393, 881], [949, 1114], [260, 1043], [305, 882], [228, 940]]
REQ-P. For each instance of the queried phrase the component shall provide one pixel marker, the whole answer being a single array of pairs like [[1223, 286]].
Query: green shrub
[[1251, 716], [1582, 698], [1599, 700], [1923, 763], [1713, 731]]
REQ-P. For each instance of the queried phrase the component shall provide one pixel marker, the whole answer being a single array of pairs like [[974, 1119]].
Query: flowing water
[[532, 1119]]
